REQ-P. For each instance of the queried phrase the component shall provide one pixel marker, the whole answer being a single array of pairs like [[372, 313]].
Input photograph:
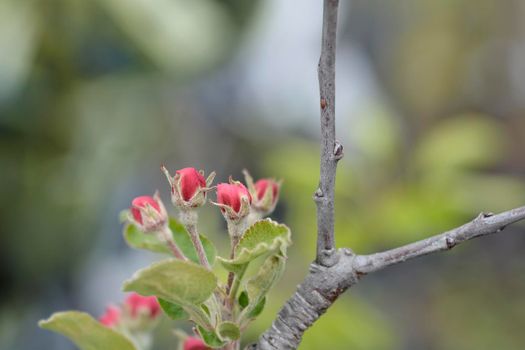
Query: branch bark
[[331, 150]]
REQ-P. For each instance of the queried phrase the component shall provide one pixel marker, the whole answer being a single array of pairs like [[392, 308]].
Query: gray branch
[[331, 150], [484, 224], [323, 285]]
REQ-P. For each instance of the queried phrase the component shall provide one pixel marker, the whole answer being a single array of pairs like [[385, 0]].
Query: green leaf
[[179, 282], [264, 236], [258, 286], [174, 311], [86, 332], [150, 241], [229, 331], [210, 338]]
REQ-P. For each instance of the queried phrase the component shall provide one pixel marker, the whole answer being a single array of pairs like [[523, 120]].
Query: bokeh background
[[95, 95]]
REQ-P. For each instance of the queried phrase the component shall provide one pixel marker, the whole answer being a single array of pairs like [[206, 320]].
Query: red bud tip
[[262, 185], [231, 194], [138, 304], [190, 182], [111, 317], [141, 202]]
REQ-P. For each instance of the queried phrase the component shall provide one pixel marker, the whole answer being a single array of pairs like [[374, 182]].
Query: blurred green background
[[95, 95]]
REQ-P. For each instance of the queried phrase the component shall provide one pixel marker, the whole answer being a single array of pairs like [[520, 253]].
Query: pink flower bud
[[191, 343], [111, 317], [265, 193], [263, 185], [139, 305], [148, 213], [188, 187], [140, 203], [191, 181], [233, 199]]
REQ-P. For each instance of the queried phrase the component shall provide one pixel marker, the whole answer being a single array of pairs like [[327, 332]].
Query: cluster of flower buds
[[188, 187], [189, 190], [148, 213], [137, 313]]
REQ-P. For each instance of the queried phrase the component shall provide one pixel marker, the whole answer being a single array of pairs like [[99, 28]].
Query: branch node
[[451, 242], [318, 194], [338, 150], [347, 251], [323, 103], [328, 258]]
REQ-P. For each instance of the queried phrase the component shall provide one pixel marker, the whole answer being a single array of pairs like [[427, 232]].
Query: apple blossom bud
[[138, 306], [265, 193], [111, 316], [148, 213], [234, 200], [188, 187], [191, 343]]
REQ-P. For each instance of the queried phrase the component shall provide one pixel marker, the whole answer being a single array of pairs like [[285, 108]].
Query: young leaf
[[258, 286], [256, 311], [210, 338], [140, 240], [243, 299], [174, 311], [179, 282], [265, 236], [149, 241], [229, 331], [86, 332]]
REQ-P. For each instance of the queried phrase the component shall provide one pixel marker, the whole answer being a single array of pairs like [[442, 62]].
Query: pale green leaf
[[150, 241], [259, 285], [264, 236], [86, 332], [179, 282]]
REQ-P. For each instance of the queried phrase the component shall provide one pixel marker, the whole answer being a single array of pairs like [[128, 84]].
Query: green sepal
[[228, 331], [150, 241], [86, 332], [172, 310], [264, 236]]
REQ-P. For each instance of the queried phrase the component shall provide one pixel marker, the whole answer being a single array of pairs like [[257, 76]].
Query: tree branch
[[484, 224], [331, 150], [323, 285]]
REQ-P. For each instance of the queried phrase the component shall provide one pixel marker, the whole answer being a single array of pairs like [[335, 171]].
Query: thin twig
[[484, 224], [331, 150]]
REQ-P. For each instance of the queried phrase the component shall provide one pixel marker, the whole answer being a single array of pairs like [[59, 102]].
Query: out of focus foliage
[[95, 95]]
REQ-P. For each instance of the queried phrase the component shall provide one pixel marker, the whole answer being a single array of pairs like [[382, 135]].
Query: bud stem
[[189, 220], [167, 235], [235, 229]]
